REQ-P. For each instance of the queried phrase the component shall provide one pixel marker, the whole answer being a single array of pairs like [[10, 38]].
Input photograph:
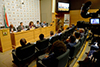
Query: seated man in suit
[[43, 24], [71, 42], [23, 44], [20, 27], [38, 24], [58, 48], [51, 35], [41, 37], [12, 28]]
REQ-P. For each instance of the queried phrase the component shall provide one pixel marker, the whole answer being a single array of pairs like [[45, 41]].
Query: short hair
[[59, 31], [72, 39], [51, 33], [11, 25], [37, 21], [21, 22], [23, 41], [58, 47], [41, 36], [77, 34]]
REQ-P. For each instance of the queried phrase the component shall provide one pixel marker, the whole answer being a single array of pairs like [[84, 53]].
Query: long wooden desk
[[31, 35], [5, 40]]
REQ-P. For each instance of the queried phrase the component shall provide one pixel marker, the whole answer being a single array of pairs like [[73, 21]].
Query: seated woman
[[58, 48], [12, 28], [31, 25]]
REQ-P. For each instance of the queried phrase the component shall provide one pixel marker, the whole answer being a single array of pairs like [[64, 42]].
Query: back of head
[[51, 33], [58, 48], [23, 42], [72, 39], [77, 34], [59, 31], [41, 36], [81, 30]]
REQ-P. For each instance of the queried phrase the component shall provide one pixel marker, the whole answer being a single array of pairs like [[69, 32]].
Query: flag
[[5, 18]]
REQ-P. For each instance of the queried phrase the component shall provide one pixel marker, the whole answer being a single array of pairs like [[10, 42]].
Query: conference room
[[49, 33]]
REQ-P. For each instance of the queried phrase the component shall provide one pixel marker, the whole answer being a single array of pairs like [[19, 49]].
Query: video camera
[[94, 22]]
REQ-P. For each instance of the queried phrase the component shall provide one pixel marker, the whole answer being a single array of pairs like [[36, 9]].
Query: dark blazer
[[13, 28], [51, 60], [19, 28]]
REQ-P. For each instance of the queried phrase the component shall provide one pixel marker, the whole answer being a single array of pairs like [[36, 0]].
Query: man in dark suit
[[12, 28], [41, 36], [20, 27]]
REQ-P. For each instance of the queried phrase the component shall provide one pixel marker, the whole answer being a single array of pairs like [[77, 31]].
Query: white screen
[[63, 6], [95, 21]]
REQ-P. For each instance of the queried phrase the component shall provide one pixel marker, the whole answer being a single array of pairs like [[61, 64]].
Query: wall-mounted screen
[[63, 6]]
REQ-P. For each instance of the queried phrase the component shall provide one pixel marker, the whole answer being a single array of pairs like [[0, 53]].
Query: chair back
[[63, 59], [74, 50], [43, 44], [61, 37], [53, 39], [25, 52]]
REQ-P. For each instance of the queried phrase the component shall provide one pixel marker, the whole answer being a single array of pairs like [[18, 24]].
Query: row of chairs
[[41, 47], [67, 57]]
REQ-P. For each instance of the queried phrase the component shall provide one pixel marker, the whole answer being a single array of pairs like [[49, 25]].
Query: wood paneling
[[5, 41], [76, 4], [75, 16], [31, 35]]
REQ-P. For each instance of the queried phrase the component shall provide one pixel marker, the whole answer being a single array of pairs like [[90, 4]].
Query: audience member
[[58, 48], [12, 28], [96, 57], [81, 30], [51, 35], [59, 31], [41, 36], [23, 44], [77, 36], [20, 27], [71, 42], [31, 25]]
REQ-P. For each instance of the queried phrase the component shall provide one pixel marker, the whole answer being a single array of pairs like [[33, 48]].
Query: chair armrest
[[37, 49], [40, 64], [15, 56]]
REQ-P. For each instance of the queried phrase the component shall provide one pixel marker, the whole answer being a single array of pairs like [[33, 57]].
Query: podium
[[5, 40]]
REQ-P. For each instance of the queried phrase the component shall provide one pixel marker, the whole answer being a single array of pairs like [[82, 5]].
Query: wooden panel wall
[[75, 16]]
